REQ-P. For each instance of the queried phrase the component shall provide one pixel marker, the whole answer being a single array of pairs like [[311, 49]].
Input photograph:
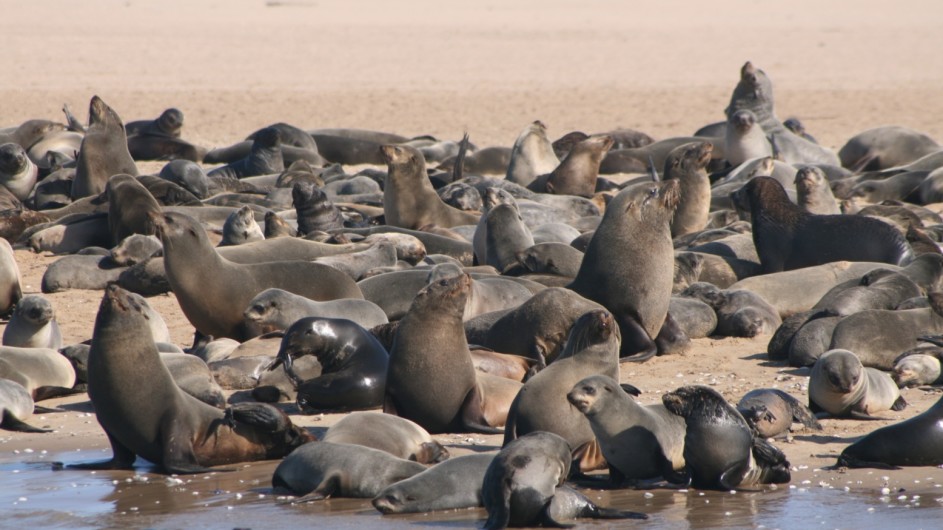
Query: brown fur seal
[[201, 278], [638, 442], [813, 192], [745, 139], [159, 139], [720, 450], [687, 163], [578, 172], [917, 441], [771, 412], [409, 201], [130, 208], [629, 265], [386, 432], [842, 387], [787, 237], [16, 406], [436, 387], [104, 151], [144, 413], [591, 349], [531, 156], [885, 147], [450, 485], [321, 470], [264, 158], [17, 172], [33, 325], [10, 289]]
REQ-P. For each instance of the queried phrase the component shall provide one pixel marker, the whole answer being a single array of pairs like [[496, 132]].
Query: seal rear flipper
[[861, 415], [38, 409], [632, 390], [49, 392], [637, 346], [766, 453], [733, 476], [11, 423], [671, 338], [588, 457], [123, 458], [899, 404], [472, 414], [324, 490], [499, 513], [851, 461]]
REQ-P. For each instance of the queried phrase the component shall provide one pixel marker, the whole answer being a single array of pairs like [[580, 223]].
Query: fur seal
[[131, 208], [916, 369], [687, 163], [578, 172], [136, 248], [841, 386], [354, 364], [638, 442], [188, 175], [174, 430], [275, 309], [104, 151], [16, 406], [314, 209], [522, 481], [10, 290], [531, 155], [745, 139], [317, 471], [917, 441], [17, 172], [241, 227], [33, 325], [42, 371], [450, 485], [740, 313], [385, 432], [754, 92], [541, 405], [885, 147], [159, 139], [409, 201], [770, 412], [200, 277], [813, 193], [440, 392], [264, 158], [629, 265], [505, 235], [720, 450], [381, 253], [788, 238]]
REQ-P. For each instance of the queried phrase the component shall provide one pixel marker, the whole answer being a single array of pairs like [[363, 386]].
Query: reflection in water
[[33, 495]]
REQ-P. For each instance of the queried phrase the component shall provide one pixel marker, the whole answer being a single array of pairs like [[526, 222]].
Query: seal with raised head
[[353, 364], [771, 412], [241, 227], [541, 405], [638, 442], [144, 413], [104, 151], [578, 172], [917, 441], [33, 324], [386, 432], [841, 386], [531, 156], [629, 266], [436, 387], [745, 139], [813, 192], [786, 237], [409, 201], [688, 164], [202, 279], [314, 209], [17, 172], [720, 450], [321, 470], [159, 139], [264, 158]]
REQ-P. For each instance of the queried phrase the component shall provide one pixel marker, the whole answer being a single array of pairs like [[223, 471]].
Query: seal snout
[[386, 504]]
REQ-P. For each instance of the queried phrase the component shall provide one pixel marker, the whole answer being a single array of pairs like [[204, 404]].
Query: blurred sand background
[[487, 67]]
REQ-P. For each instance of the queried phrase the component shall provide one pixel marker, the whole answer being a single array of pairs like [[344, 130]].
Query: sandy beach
[[489, 68]]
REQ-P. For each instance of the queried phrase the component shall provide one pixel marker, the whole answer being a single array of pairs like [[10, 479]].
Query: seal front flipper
[[637, 346], [733, 476], [49, 392], [853, 462], [14, 424], [499, 513], [899, 404], [123, 458]]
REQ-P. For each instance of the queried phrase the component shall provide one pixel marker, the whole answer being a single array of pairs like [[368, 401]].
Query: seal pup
[[450, 485], [436, 387], [917, 441], [264, 158], [754, 92], [386, 432], [275, 309], [740, 313], [745, 139], [33, 325], [18, 173], [16, 406], [201, 278], [159, 139], [628, 267], [321, 470], [104, 151], [522, 481], [842, 387], [578, 172], [688, 164], [770, 412], [314, 210], [353, 364], [135, 249], [188, 175], [638, 442], [915, 369], [720, 450], [144, 413], [541, 405], [813, 192], [787, 237], [409, 201], [241, 227], [532, 155]]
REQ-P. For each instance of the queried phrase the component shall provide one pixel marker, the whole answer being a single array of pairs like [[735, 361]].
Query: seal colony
[[586, 267]]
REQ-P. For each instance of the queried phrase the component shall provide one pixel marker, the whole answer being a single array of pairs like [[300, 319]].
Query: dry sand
[[489, 67]]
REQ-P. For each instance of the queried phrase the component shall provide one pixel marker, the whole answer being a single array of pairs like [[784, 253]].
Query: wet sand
[[421, 67]]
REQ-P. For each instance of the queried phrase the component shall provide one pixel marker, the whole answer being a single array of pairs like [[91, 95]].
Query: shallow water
[[35, 495]]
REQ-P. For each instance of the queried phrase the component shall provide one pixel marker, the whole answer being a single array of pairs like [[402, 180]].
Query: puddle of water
[[34, 495]]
